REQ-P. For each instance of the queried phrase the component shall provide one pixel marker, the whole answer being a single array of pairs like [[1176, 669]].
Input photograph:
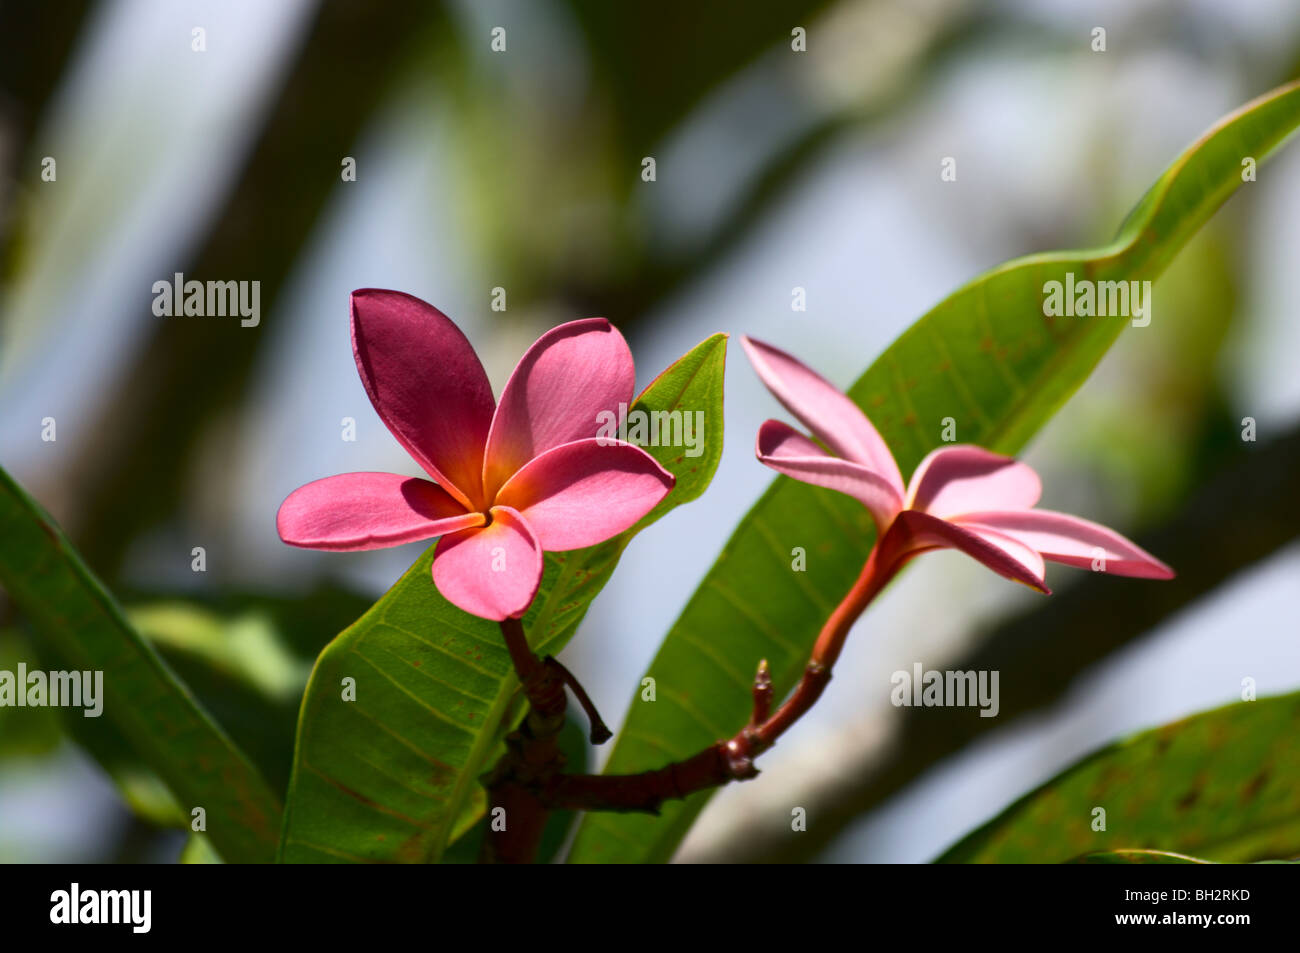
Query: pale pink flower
[[961, 496], [510, 480]]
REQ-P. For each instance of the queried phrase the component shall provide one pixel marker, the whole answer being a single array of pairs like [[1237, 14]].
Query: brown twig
[[529, 781], [600, 732]]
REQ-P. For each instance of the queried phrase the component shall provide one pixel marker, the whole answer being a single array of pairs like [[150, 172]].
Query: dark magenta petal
[[427, 384]]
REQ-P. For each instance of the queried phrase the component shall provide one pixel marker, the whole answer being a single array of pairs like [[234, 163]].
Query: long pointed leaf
[[986, 356], [147, 705]]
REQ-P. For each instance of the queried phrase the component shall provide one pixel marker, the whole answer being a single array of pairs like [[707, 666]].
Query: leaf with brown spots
[[1223, 785], [986, 356]]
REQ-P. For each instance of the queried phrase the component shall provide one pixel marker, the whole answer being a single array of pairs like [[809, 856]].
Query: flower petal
[[1073, 541], [787, 451], [829, 414], [556, 394], [355, 511], [963, 478], [492, 571], [427, 384], [585, 492], [914, 531]]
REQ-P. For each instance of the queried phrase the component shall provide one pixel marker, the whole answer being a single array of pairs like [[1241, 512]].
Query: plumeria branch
[[963, 497], [532, 756], [719, 764]]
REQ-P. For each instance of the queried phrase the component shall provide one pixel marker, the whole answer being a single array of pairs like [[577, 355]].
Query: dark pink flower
[[961, 496], [510, 480]]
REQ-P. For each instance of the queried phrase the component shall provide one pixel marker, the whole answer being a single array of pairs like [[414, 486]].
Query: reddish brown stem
[[516, 815], [528, 782], [732, 759], [524, 660], [638, 792], [825, 652]]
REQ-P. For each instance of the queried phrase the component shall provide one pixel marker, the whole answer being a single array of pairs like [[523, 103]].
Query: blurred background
[[520, 169]]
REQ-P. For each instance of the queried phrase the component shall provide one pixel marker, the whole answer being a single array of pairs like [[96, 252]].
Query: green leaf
[[393, 775], [1152, 857], [155, 713], [198, 849], [986, 356], [1137, 857], [1223, 785], [243, 647], [246, 659], [24, 732], [241, 667], [141, 789]]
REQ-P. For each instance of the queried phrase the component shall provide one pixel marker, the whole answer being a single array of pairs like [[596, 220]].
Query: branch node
[[740, 764]]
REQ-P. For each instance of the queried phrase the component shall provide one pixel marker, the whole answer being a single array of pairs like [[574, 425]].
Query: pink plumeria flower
[[510, 480], [961, 496]]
